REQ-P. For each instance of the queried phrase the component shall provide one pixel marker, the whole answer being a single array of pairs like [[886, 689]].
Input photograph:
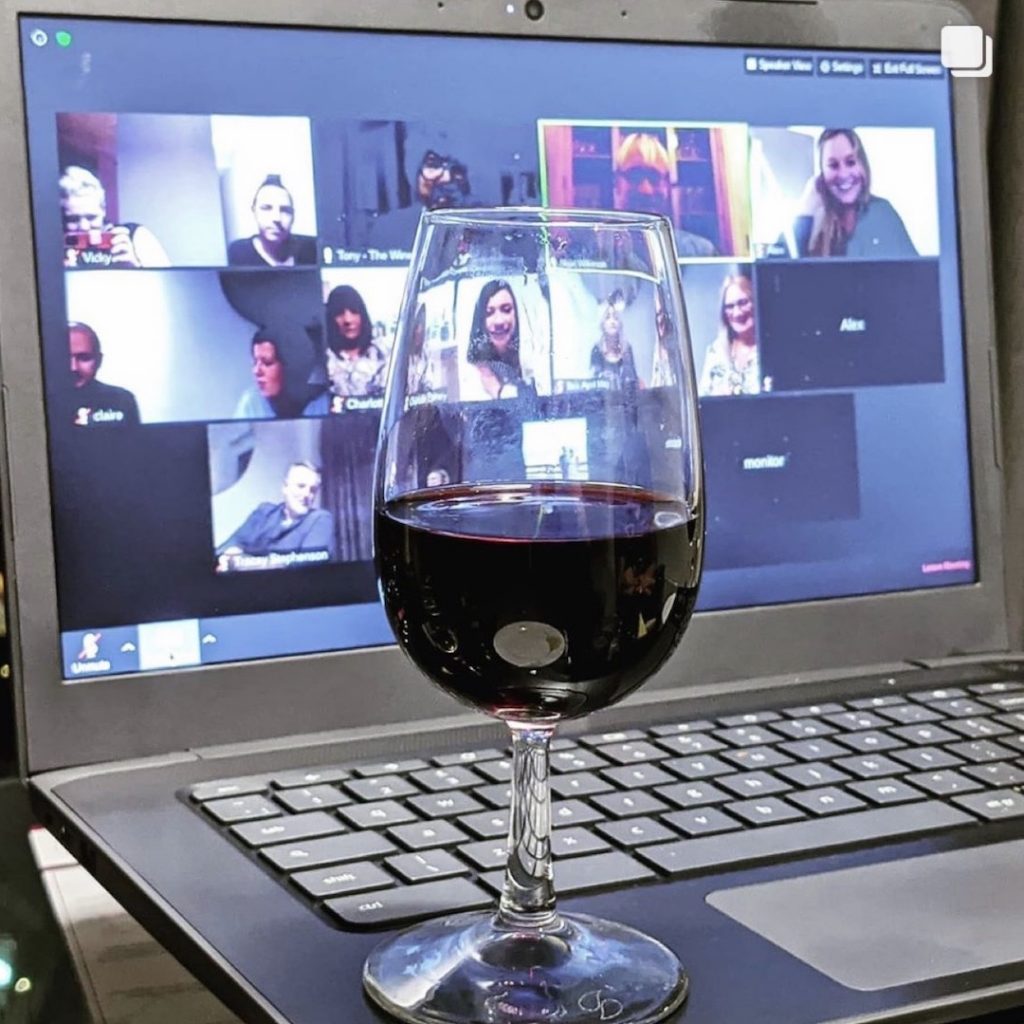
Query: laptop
[[815, 801]]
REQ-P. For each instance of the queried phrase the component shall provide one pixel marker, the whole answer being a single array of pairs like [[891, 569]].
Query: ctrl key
[[408, 903]]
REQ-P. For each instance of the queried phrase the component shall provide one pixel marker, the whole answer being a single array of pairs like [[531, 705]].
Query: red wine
[[538, 601]]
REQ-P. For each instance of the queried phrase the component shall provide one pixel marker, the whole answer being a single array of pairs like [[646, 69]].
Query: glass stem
[[528, 900]]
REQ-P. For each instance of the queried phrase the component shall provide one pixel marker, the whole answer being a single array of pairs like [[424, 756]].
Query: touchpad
[[895, 923]]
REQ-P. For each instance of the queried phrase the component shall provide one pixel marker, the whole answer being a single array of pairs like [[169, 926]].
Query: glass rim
[[545, 217]]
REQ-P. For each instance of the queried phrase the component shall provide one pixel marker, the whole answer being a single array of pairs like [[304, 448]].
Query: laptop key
[[701, 725], [1005, 701], [812, 750], [747, 736], [960, 707], [870, 766], [343, 878], [998, 773], [854, 721], [496, 771], [754, 784], [634, 775], [601, 739], [943, 693], [424, 835], [910, 714], [576, 760], [769, 811], [804, 728], [290, 828], [632, 752], [241, 808], [430, 864], [692, 794], [703, 766], [497, 795], [578, 874], [467, 757], [227, 788], [486, 855], [871, 703], [311, 798], [690, 743], [924, 735], [978, 728], [381, 787], [630, 832], [703, 821], [412, 764], [579, 784], [753, 758], [750, 718], [812, 774], [997, 803], [828, 800], [406, 903], [446, 805], [944, 783], [487, 824], [630, 803], [987, 689], [329, 850], [573, 812], [440, 779], [576, 842], [690, 856], [309, 777], [377, 815], [981, 751], [813, 710], [924, 759], [884, 792], [867, 741]]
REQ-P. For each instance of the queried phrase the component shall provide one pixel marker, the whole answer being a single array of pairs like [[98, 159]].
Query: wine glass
[[539, 534]]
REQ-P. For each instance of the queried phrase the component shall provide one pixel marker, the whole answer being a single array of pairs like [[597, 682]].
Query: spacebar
[[692, 855]]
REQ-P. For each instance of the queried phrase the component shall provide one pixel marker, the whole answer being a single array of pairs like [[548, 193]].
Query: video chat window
[[291, 495], [866, 193], [377, 177], [192, 345], [163, 190], [696, 175]]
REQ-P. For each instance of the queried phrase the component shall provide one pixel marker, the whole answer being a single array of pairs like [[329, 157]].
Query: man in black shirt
[[96, 403], [273, 245]]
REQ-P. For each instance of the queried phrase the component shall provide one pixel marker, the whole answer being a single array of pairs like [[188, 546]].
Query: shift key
[[408, 903], [330, 850]]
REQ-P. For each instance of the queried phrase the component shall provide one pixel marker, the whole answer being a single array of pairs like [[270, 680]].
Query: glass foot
[[468, 969]]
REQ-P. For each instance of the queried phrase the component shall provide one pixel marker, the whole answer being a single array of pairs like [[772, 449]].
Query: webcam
[[534, 10]]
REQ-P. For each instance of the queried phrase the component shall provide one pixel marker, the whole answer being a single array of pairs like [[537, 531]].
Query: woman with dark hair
[[494, 341], [611, 359], [838, 215], [273, 245], [355, 365], [282, 358]]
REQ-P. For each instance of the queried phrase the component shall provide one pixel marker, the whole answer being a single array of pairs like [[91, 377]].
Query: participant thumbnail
[[842, 325], [696, 175], [556, 449], [189, 345], [290, 494], [158, 190], [867, 193], [361, 308], [377, 177], [722, 315]]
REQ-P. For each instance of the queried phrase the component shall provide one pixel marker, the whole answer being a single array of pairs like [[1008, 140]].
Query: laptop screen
[[223, 220]]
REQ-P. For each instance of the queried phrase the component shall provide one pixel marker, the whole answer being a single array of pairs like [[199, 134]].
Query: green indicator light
[[63, 38]]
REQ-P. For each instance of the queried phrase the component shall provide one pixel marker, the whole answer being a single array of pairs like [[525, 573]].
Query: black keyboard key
[[312, 798], [446, 805], [996, 804], [870, 766], [987, 689], [487, 824], [496, 771], [497, 795], [1017, 741], [943, 693], [923, 759], [227, 788], [438, 780], [411, 764], [924, 735], [598, 871], [632, 752], [630, 803], [692, 794], [329, 850], [576, 842], [854, 721], [702, 821], [377, 815], [241, 808], [631, 832], [978, 728], [579, 784], [634, 775], [1005, 701], [960, 707], [871, 703], [997, 773], [813, 750], [576, 760], [910, 714], [702, 766], [409, 903], [755, 758], [309, 777], [427, 865], [287, 829], [750, 718], [467, 757], [812, 774], [754, 784], [491, 853], [381, 787], [981, 751], [689, 743], [884, 792], [769, 811], [747, 736], [600, 739], [342, 879], [828, 800], [702, 725], [944, 783], [425, 835], [573, 812], [688, 856], [868, 741], [804, 728], [813, 710]]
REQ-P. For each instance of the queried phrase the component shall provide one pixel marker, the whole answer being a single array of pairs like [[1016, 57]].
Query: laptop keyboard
[[383, 844]]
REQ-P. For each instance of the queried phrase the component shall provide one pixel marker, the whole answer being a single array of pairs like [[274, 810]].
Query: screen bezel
[[148, 714]]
